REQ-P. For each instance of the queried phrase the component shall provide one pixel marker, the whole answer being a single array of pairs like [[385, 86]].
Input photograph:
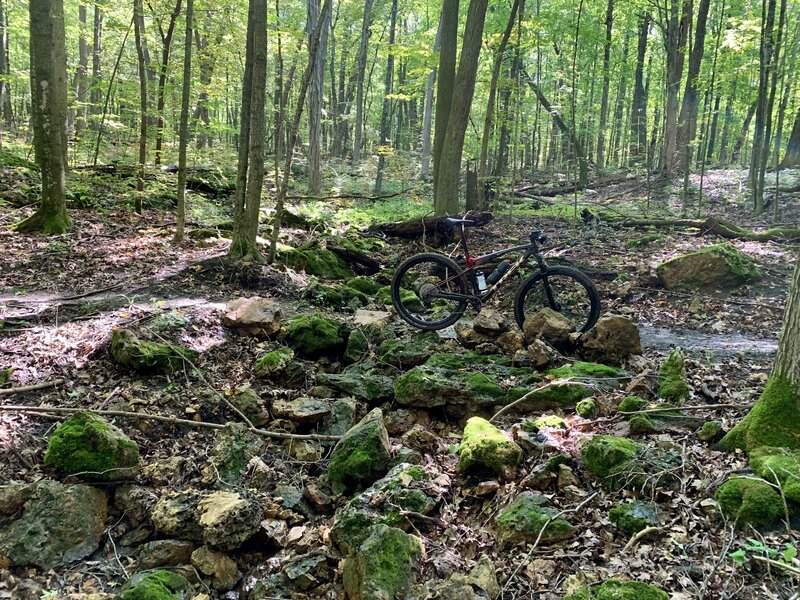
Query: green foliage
[[155, 585], [786, 555]]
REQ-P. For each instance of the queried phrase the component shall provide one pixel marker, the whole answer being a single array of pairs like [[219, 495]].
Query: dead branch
[[352, 196], [31, 388], [438, 227], [723, 229]]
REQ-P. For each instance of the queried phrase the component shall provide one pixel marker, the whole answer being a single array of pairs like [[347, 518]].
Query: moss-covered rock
[[672, 384], [711, 431], [315, 260], [486, 446], [622, 463], [314, 335], [631, 404], [780, 466], [250, 404], [362, 453], [274, 362], [720, 266], [365, 341], [129, 351], [604, 453], [632, 517], [365, 285], [587, 408], [383, 566], [750, 501], [364, 380], [774, 420], [641, 424], [525, 518], [234, 448], [334, 296], [155, 585], [569, 394], [617, 589], [88, 445], [410, 351], [643, 240], [409, 298]]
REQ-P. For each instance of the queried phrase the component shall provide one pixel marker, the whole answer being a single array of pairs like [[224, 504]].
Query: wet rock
[[235, 446], [526, 517], [484, 445], [308, 571], [254, 316], [301, 410], [247, 400], [129, 351], [549, 325], [155, 585], [721, 266], [362, 453], [384, 566], [217, 568], [612, 339], [47, 524], [90, 447], [312, 335], [165, 553], [479, 584]]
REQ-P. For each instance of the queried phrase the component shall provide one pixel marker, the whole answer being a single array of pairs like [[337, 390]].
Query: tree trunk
[[96, 95], [5, 90], [250, 177], [207, 62], [361, 62], [138, 28], [601, 136], [712, 134], [386, 110], [183, 136], [726, 132], [638, 149], [445, 199], [737, 146], [315, 101], [166, 47], [427, 113], [446, 74], [82, 73], [774, 419], [48, 73], [791, 159], [676, 30]]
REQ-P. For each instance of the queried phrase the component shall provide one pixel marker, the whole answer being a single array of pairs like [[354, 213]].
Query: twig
[[30, 388], [776, 563], [639, 535], [535, 391], [175, 420], [674, 408]]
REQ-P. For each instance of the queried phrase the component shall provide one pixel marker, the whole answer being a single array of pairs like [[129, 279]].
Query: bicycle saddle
[[465, 222]]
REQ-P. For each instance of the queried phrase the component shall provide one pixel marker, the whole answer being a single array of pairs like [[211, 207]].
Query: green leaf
[[738, 557], [789, 554]]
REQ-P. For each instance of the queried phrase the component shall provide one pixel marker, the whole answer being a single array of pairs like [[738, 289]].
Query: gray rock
[[528, 516], [301, 410], [165, 553], [53, 524], [308, 571], [254, 316], [343, 416], [612, 339], [247, 400], [490, 322], [551, 326], [364, 380], [721, 266], [479, 584]]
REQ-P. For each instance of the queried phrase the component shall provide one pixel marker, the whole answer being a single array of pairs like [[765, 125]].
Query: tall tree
[[639, 104], [791, 159], [675, 17], [427, 112], [250, 177], [5, 95], [166, 48], [448, 168], [96, 94], [361, 67], [446, 73], [601, 134], [386, 109], [141, 55], [82, 72], [48, 113], [183, 136], [315, 100]]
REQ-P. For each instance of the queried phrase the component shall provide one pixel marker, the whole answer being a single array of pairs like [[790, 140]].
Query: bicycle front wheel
[[429, 291], [565, 290]]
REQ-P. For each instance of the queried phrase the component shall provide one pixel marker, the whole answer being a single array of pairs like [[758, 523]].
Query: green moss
[[750, 501], [483, 385], [313, 335], [155, 585], [525, 518], [362, 451], [408, 297], [334, 296], [644, 240], [408, 351], [365, 285], [87, 444], [617, 589], [274, 362], [780, 466], [640, 424], [464, 360], [710, 431], [738, 263], [552, 421], [672, 377], [603, 453], [631, 404], [774, 420], [586, 370], [587, 408], [634, 516], [484, 444], [321, 262], [560, 395], [148, 357]]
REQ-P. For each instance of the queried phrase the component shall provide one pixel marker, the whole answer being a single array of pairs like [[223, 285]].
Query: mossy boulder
[[274, 362], [641, 424], [750, 501], [408, 352], [525, 518], [780, 466], [364, 341], [405, 487], [623, 463], [361, 455], [366, 285], [155, 585], [587, 408], [672, 383], [234, 448], [618, 589], [720, 266], [90, 446], [774, 419], [711, 431], [484, 445], [632, 517], [585, 376], [409, 298], [315, 260], [334, 296], [129, 351], [313, 335], [602, 454], [643, 240], [631, 404], [364, 380], [384, 566]]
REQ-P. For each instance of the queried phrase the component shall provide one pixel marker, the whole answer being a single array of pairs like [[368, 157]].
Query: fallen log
[[568, 188], [360, 263], [723, 229], [437, 231]]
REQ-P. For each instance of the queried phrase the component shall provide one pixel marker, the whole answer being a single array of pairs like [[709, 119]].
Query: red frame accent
[[471, 262]]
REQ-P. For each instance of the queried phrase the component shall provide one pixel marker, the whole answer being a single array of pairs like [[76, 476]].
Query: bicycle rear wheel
[[572, 294], [429, 291]]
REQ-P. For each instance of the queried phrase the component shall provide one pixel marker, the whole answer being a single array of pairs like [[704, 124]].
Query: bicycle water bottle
[[481, 281], [501, 270]]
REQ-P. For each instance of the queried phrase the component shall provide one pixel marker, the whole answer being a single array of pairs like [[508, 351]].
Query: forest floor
[[62, 296]]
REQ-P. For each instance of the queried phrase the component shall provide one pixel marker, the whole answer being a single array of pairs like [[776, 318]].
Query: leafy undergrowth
[[63, 296]]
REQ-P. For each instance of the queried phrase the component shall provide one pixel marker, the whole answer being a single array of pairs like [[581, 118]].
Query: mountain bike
[[431, 291]]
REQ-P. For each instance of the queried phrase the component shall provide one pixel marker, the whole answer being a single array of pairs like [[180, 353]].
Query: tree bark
[[5, 90], [675, 25], [361, 62], [791, 158], [96, 95], [737, 146], [427, 113], [386, 109], [183, 136], [601, 136], [449, 168], [48, 64], [446, 74], [82, 73], [166, 48], [138, 28], [315, 101], [638, 149]]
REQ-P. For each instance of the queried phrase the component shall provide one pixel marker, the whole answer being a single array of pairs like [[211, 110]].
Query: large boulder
[[484, 445], [129, 351], [750, 501], [313, 335], [551, 326], [530, 517], [361, 455], [92, 448], [384, 566], [720, 266], [47, 524], [314, 260], [621, 463], [254, 316], [612, 339]]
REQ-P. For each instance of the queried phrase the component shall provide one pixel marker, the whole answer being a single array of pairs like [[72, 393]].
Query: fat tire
[[579, 276], [458, 279]]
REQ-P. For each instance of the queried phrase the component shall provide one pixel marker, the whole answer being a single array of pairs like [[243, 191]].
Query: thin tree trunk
[[138, 29], [315, 101], [183, 137], [737, 146], [96, 95], [386, 110], [361, 62], [601, 136], [166, 47], [639, 104], [5, 96], [722, 155], [687, 121], [791, 159], [427, 114], [82, 73]]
